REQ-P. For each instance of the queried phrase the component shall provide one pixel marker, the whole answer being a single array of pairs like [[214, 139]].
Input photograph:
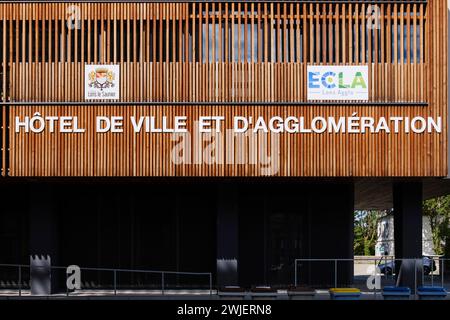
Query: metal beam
[[210, 103], [229, 1]]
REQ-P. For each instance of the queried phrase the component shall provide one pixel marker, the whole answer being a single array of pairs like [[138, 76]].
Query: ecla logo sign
[[338, 83]]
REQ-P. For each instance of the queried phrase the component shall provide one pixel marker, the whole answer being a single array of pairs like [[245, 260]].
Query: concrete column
[[408, 230], [227, 235], [44, 233]]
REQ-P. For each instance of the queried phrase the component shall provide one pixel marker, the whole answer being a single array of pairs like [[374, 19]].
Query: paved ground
[[362, 270], [172, 295]]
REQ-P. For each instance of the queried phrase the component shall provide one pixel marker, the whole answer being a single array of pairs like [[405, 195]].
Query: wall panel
[[222, 52]]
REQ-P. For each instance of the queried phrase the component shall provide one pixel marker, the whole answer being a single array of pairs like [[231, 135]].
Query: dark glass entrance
[[173, 225], [285, 244], [273, 233]]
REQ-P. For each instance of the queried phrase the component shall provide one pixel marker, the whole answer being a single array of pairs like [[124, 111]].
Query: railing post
[[20, 280], [415, 278], [422, 273], [375, 274], [385, 267], [115, 283], [162, 283], [335, 273], [442, 272], [432, 272], [210, 284], [394, 269], [295, 272]]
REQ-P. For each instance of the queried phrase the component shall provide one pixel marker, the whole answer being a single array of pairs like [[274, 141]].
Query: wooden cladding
[[152, 154], [210, 51], [222, 52]]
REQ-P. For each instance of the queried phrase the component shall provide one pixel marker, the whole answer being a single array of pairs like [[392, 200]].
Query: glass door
[[284, 246]]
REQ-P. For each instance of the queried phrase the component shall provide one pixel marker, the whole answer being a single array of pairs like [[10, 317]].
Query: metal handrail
[[114, 271], [334, 261]]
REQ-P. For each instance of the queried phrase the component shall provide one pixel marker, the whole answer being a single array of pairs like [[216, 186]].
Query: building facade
[[385, 237], [124, 144]]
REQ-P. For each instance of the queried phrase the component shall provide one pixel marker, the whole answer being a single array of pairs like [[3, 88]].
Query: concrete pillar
[[227, 235], [408, 230], [44, 233]]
